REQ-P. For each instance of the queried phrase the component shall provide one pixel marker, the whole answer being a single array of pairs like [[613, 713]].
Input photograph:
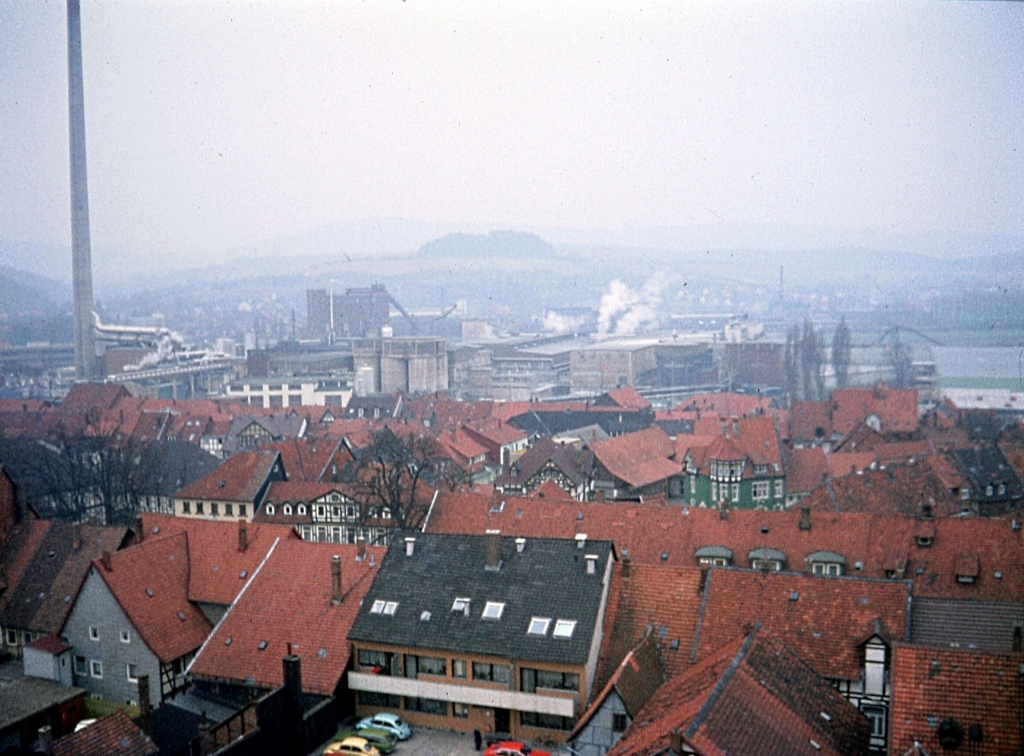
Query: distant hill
[[22, 292], [504, 244]]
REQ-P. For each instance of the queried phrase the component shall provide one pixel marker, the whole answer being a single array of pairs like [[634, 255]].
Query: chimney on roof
[[520, 545], [926, 511], [492, 546], [723, 509], [581, 540], [410, 546], [627, 566], [336, 579], [676, 739], [243, 536], [292, 708], [145, 705], [105, 559], [805, 517], [76, 544], [360, 549], [45, 739]]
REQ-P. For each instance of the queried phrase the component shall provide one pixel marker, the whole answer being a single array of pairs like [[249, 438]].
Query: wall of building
[[56, 667], [600, 734], [97, 607]]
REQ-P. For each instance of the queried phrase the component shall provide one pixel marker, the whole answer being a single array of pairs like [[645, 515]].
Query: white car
[[390, 722]]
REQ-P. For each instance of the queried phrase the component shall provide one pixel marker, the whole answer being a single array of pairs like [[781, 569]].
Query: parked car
[[390, 722], [383, 740], [512, 748], [352, 747]]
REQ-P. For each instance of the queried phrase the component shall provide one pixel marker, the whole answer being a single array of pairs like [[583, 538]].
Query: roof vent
[[793, 596], [227, 641], [262, 646], [410, 546], [149, 592], [181, 616]]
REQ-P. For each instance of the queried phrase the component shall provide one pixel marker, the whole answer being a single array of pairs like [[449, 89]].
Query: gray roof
[[22, 698], [984, 625], [547, 579]]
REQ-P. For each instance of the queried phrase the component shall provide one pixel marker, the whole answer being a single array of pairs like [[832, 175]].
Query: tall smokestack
[[81, 252]]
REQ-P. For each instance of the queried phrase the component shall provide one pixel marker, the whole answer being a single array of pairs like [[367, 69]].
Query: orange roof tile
[[824, 620], [639, 458], [113, 735], [236, 479], [890, 489], [306, 459], [973, 688], [726, 405], [550, 490], [218, 569], [150, 582], [289, 602], [896, 409]]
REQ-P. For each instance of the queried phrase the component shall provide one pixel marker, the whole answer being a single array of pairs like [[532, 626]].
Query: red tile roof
[[807, 469], [50, 644], [550, 490], [726, 405], [824, 620], [237, 479], [809, 421], [84, 397], [973, 688], [647, 532], [289, 601], [496, 431], [644, 596], [753, 696], [150, 582], [628, 397], [639, 458], [896, 409], [215, 561], [890, 489], [114, 735], [306, 459]]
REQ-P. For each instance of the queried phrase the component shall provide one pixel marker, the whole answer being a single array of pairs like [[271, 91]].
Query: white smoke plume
[[558, 323], [624, 310]]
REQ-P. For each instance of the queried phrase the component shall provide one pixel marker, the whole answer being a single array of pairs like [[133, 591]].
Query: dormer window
[[968, 568], [924, 542], [287, 510], [302, 509], [270, 509], [714, 556], [760, 469], [988, 490], [493, 610], [826, 563], [461, 605], [771, 560]]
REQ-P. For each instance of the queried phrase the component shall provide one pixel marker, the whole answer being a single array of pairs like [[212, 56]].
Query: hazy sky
[[213, 123]]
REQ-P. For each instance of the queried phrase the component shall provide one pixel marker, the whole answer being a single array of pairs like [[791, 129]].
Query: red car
[[512, 748]]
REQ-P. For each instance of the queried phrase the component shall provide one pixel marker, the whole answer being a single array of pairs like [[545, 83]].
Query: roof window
[[380, 606], [424, 616], [493, 610], [390, 608], [564, 628], [539, 626], [461, 605]]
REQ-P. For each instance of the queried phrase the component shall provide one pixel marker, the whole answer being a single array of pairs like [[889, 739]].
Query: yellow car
[[352, 747]]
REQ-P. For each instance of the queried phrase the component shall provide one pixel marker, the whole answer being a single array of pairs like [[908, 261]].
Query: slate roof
[[45, 570], [547, 579], [169, 624], [289, 601], [237, 479], [754, 696], [987, 466], [640, 458], [539, 419], [968, 624], [824, 620], [25, 697], [974, 688], [216, 565], [114, 735]]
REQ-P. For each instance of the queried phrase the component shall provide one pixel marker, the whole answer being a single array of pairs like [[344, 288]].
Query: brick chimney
[[145, 706], [492, 544], [805, 518], [627, 567], [105, 559], [336, 580], [361, 548], [723, 509], [243, 536]]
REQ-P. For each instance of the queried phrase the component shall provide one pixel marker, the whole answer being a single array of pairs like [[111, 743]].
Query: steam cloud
[[624, 310]]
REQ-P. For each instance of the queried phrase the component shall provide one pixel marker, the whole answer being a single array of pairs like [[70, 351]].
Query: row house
[[741, 468], [234, 490], [485, 633]]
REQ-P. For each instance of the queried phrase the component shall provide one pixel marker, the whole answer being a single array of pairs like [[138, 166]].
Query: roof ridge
[[723, 681], [700, 615]]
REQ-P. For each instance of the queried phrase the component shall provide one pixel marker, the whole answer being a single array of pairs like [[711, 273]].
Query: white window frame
[[94, 633], [493, 610], [735, 492], [830, 569], [760, 490], [778, 488], [270, 509], [126, 636], [564, 629], [538, 626], [378, 606], [128, 672], [390, 608], [82, 670], [96, 668], [461, 605], [11, 634]]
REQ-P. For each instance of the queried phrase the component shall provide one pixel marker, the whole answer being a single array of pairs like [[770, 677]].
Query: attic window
[[390, 608], [564, 628], [270, 509], [493, 610], [378, 607], [924, 542], [539, 626], [461, 605]]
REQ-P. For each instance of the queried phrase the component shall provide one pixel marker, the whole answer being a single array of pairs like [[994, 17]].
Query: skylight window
[[378, 607], [493, 610], [539, 626], [390, 607], [461, 605], [425, 616], [564, 628]]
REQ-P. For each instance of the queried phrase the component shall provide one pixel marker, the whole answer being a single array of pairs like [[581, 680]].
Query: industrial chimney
[[81, 252]]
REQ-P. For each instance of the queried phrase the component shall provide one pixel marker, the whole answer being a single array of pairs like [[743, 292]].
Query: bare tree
[[791, 365], [841, 348]]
